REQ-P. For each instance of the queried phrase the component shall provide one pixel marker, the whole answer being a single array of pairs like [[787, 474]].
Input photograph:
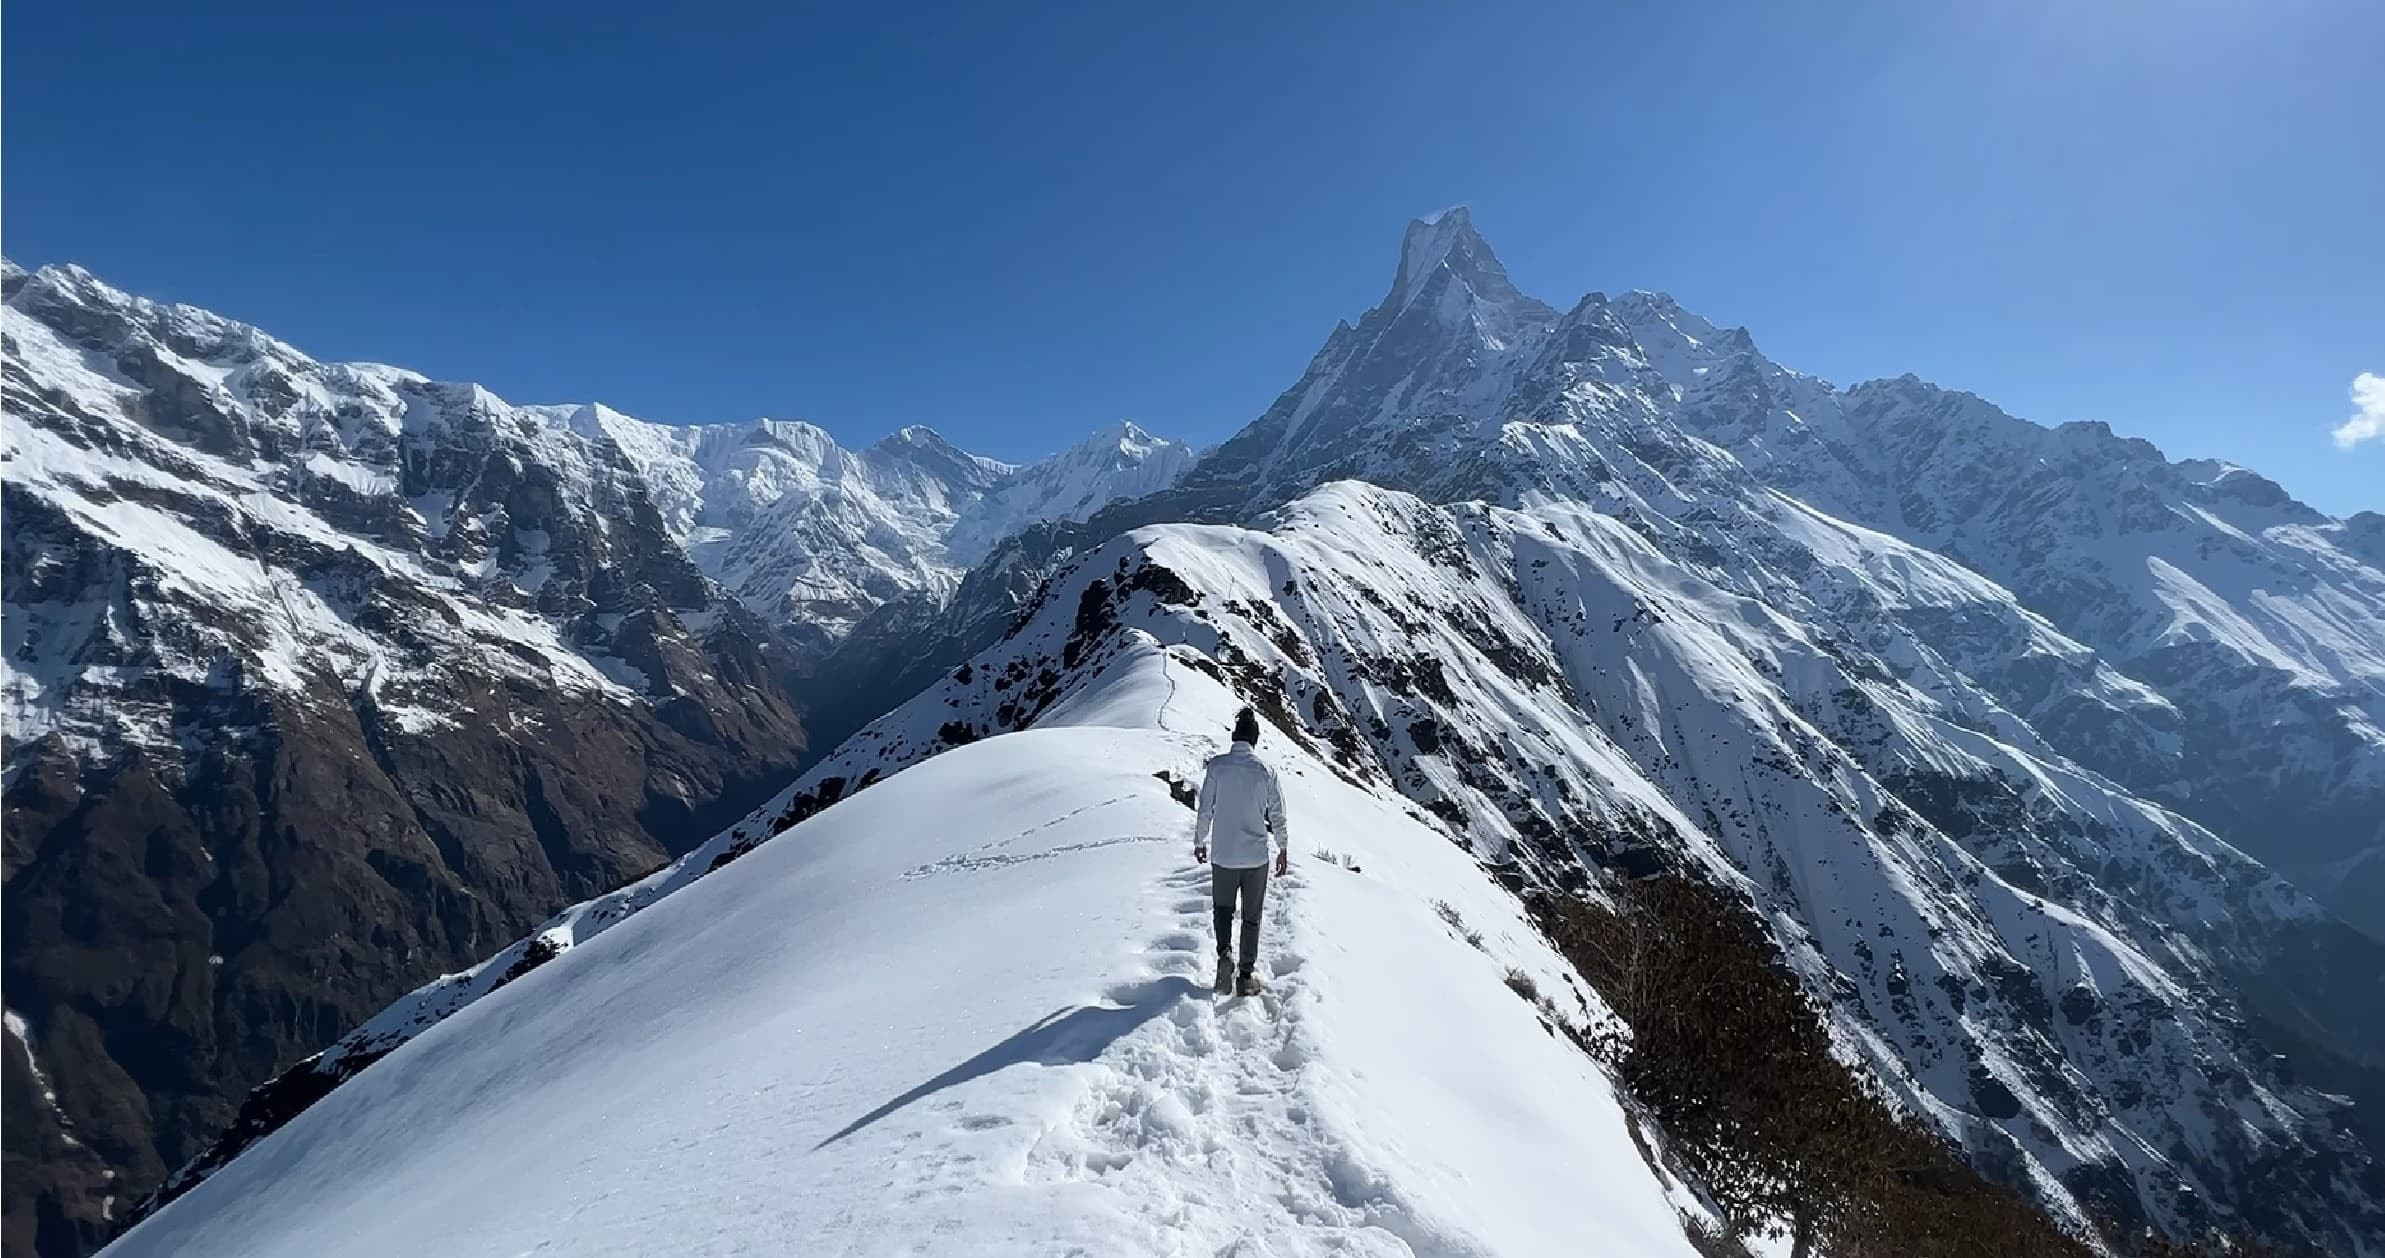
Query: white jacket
[[1241, 805]]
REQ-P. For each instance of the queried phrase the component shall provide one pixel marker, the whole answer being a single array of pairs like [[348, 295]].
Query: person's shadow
[[1062, 1036]]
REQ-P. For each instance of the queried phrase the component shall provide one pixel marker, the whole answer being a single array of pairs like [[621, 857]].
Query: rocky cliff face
[[321, 680]]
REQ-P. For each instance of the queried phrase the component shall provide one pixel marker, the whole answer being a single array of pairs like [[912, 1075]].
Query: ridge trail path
[[1198, 1117], [1186, 1110]]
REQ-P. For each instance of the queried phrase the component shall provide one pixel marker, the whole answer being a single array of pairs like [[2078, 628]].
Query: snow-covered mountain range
[[322, 679], [815, 537], [1533, 686], [2055, 766], [2216, 646]]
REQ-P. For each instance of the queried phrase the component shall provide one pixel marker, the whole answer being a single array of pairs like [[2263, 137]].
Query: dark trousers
[[1248, 885]]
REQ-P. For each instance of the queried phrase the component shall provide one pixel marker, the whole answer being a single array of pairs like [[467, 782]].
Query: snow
[[810, 535], [18, 1027], [367, 482], [180, 554], [416, 720], [81, 374], [965, 1012]]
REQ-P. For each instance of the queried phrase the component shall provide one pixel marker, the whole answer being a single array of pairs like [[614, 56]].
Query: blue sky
[[1016, 222]]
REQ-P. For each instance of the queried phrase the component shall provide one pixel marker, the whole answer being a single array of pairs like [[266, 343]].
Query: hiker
[[1241, 807]]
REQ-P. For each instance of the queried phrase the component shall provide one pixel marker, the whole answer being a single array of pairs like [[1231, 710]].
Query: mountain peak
[[1446, 239], [1128, 438], [916, 437], [1650, 313], [1121, 430]]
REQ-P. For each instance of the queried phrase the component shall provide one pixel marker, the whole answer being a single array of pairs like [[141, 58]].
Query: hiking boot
[[1250, 985], [1225, 974]]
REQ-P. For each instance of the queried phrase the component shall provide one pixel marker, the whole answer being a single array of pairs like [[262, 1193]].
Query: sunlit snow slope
[[963, 1012]]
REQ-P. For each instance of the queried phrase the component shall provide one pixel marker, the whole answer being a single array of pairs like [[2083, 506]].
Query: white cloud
[[2368, 393]]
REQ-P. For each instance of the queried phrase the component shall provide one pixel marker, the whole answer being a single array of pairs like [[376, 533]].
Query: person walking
[[1240, 809]]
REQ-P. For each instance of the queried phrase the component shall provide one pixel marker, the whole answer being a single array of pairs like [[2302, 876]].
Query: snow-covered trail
[[965, 1011]]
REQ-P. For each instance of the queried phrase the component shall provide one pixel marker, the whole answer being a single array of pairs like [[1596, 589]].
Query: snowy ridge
[[991, 1037], [2046, 986], [1548, 689]]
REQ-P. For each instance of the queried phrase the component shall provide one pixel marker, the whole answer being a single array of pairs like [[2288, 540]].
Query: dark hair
[[1246, 727]]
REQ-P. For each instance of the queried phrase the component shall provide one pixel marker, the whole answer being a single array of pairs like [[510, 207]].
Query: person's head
[[1246, 727]]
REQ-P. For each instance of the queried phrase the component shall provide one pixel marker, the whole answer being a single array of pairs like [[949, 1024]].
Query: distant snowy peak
[[926, 446], [1681, 345], [288, 506], [1118, 463], [99, 308], [1125, 437], [814, 535], [2362, 534]]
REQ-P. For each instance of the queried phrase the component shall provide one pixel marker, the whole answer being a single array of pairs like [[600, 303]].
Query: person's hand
[[1283, 863], [1200, 854]]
